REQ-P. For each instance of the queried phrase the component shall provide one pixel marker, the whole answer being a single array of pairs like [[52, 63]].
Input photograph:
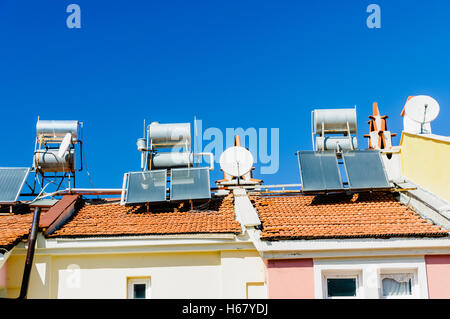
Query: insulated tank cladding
[[172, 159], [332, 141], [57, 128], [49, 161], [167, 135], [335, 120]]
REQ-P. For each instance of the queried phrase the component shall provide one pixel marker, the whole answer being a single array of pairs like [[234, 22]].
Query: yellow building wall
[[221, 274], [426, 162]]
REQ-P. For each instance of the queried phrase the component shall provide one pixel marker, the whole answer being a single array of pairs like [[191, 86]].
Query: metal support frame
[[49, 143], [314, 133]]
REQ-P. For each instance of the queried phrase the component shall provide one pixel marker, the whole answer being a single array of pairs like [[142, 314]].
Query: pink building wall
[[3, 272], [291, 278], [438, 275]]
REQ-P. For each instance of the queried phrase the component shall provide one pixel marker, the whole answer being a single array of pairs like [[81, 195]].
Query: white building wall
[[183, 275], [238, 271], [215, 274]]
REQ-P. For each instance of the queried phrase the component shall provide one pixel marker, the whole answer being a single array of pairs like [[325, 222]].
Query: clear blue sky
[[230, 63]]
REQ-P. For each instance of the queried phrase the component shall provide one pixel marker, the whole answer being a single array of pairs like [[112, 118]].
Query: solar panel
[[148, 186], [364, 169], [12, 180], [189, 183], [319, 171]]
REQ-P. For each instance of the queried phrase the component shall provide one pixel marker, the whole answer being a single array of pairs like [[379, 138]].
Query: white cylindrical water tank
[[49, 161], [331, 143], [166, 135], [335, 120], [172, 159], [57, 128]]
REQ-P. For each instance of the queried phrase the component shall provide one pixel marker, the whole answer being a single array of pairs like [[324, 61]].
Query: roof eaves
[[377, 236], [426, 204]]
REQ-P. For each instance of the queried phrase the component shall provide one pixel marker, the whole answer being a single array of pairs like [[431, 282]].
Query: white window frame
[[339, 275], [133, 281], [412, 273], [369, 270]]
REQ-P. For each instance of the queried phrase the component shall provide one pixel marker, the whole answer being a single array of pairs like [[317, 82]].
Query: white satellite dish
[[422, 109], [65, 145], [236, 161]]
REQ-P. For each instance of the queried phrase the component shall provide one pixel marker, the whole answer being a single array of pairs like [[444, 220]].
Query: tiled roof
[[340, 216], [17, 226], [13, 228], [111, 219]]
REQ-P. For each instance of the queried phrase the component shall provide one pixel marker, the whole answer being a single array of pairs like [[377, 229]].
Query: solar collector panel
[[12, 180], [148, 186], [319, 171], [364, 169], [190, 183]]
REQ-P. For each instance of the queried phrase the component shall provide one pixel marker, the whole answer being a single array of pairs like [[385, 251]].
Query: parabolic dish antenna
[[422, 109], [236, 161]]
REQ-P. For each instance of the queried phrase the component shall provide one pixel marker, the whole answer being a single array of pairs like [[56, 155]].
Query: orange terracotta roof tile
[[340, 216], [13, 228], [111, 219], [17, 226]]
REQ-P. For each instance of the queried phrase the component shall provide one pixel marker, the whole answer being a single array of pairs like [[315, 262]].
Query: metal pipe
[[118, 192], [196, 138], [122, 196], [30, 254], [82, 191], [211, 159], [281, 185], [96, 190], [313, 131], [280, 192]]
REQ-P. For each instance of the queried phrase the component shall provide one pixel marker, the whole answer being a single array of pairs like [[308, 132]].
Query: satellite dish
[[422, 109], [65, 145], [236, 161]]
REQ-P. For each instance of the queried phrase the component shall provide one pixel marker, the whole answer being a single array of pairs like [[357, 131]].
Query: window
[[139, 291], [139, 288], [398, 285], [341, 286], [370, 278]]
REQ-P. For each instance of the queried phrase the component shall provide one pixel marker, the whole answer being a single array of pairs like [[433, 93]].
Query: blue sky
[[261, 64]]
